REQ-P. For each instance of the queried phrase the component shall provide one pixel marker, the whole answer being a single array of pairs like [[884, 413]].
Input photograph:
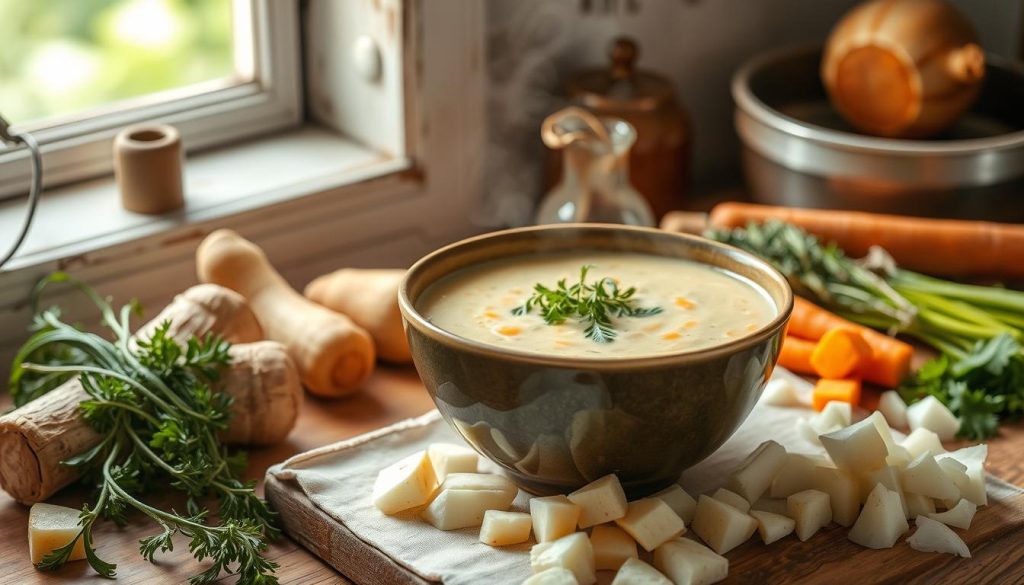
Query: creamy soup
[[694, 305]]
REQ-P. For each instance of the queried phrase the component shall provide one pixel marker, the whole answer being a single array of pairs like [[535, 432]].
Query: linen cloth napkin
[[339, 478]]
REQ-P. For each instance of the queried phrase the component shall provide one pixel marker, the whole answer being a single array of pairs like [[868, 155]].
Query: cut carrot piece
[[890, 357], [840, 353], [829, 390], [796, 355]]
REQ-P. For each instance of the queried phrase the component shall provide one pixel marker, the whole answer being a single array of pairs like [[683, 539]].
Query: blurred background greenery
[[62, 57]]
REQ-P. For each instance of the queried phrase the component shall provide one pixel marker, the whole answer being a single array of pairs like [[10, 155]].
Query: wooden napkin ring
[[148, 164]]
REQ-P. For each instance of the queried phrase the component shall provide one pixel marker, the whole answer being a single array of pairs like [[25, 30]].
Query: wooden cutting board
[[996, 540]]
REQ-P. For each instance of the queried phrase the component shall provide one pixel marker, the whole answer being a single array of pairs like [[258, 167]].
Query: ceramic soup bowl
[[555, 423]]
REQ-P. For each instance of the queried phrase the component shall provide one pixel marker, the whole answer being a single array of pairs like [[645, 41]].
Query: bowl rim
[[748, 102], [413, 318]]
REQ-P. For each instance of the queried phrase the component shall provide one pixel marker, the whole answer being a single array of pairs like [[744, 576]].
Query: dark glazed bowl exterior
[[556, 423]]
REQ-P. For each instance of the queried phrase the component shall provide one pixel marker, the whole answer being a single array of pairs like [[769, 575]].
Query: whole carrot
[[935, 246], [890, 357], [795, 355]]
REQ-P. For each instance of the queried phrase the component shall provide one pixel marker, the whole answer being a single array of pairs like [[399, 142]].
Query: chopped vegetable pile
[[978, 329]]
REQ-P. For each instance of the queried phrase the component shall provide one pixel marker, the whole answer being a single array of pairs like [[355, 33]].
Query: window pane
[[60, 57]]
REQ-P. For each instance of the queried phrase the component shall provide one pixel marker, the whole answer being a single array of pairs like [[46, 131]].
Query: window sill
[[85, 218]]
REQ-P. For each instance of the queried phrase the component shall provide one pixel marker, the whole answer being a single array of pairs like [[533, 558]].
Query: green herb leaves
[[155, 404], [591, 304]]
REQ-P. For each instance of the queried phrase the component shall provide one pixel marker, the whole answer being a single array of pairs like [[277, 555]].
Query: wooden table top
[[392, 394]]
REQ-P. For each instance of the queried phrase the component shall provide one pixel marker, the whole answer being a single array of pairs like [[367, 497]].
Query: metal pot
[[799, 152]]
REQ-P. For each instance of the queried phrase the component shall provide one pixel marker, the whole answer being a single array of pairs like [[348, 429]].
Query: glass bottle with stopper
[[594, 186]]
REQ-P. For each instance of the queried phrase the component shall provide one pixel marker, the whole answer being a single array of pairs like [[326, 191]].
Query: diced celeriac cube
[[735, 500], [406, 484], [552, 576], [889, 477], [755, 475], [636, 572], [501, 528], [572, 552], [956, 472], [680, 501], [810, 432], [480, 482], [461, 508], [882, 426], [811, 510], [924, 476], [959, 516], [843, 491], [881, 522], [602, 500], [772, 527], [893, 408], [929, 413], [918, 505], [612, 547], [934, 536], [773, 505], [686, 562], [856, 447], [553, 517], [795, 475], [922, 441], [447, 458], [781, 392], [651, 522], [51, 527], [973, 459], [836, 413], [720, 525]]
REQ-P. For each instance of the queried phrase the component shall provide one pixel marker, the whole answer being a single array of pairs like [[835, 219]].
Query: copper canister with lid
[[659, 163]]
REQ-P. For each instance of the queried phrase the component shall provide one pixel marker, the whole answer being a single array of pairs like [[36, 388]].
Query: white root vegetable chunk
[[811, 510], [836, 413], [881, 522], [924, 476], [933, 415], [918, 505], [406, 484], [686, 562], [956, 472], [806, 429], [733, 499], [600, 501], [454, 509], [883, 431], [922, 441], [773, 505], [488, 482], [651, 522], [781, 392], [934, 536], [612, 547], [959, 516], [553, 517], [637, 572], [501, 528], [552, 576], [893, 408], [890, 477], [973, 458], [447, 458], [843, 491], [756, 473], [572, 552], [796, 475], [680, 501], [51, 527], [772, 527], [721, 526], [856, 447]]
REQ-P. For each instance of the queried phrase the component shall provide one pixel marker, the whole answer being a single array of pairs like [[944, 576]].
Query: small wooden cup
[[148, 165]]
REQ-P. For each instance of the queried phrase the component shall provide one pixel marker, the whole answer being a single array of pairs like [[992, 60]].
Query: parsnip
[[333, 354], [370, 298]]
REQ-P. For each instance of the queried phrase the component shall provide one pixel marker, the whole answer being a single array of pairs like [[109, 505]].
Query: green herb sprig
[[155, 404], [592, 304]]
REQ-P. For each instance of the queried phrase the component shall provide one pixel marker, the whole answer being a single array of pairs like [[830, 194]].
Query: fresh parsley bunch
[[155, 404], [593, 304]]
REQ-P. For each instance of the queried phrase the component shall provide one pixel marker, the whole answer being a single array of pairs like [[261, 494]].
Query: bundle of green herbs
[[155, 404], [977, 329]]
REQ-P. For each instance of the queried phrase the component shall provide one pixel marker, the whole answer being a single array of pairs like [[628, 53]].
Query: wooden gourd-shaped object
[[903, 68]]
